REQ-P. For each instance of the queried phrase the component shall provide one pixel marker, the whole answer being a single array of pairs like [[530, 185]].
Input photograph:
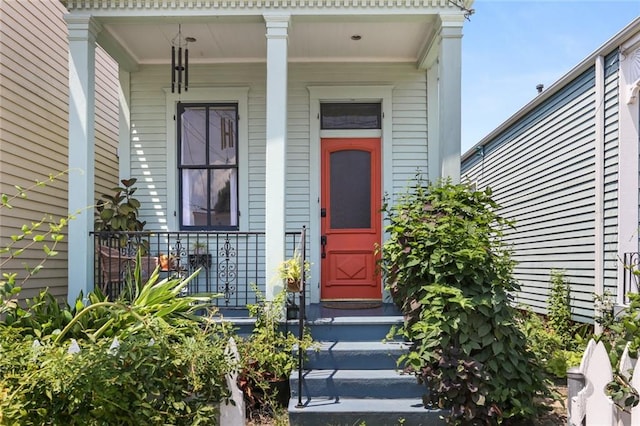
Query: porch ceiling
[[236, 39]]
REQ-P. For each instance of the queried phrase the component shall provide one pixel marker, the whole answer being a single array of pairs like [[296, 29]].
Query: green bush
[[159, 375], [554, 353], [559, 316], [447, 268], [169, 368], [268, 357]]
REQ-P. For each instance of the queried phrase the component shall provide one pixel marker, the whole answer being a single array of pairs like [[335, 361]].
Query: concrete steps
[[353, 379]]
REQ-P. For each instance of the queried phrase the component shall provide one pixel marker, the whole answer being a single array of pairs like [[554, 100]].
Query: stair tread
[[342, 345], [366, 405], [353, 374], [391, 319]]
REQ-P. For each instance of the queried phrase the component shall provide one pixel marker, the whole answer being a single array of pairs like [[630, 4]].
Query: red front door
[[351, 197]]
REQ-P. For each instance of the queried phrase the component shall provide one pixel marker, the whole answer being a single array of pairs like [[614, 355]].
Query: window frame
[[237, 94], [206, 166]]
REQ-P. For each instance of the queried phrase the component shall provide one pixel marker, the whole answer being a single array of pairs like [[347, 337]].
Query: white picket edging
[[591, 406]]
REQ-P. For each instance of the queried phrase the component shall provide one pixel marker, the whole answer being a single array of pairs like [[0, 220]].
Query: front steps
[[353, 379]]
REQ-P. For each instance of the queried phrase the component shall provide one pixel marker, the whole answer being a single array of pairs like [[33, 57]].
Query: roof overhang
[[139, 32]]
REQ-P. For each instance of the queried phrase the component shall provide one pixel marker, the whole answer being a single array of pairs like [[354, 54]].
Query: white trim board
[[318, 94], [237, 95]]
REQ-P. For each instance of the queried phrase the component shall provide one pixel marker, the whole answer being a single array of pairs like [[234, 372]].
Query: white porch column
[[276, 148], [82, 43], [449, 95], [124, 126], [628, 153]]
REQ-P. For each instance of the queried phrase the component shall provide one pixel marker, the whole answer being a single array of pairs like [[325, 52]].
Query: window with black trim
[[208, 165]]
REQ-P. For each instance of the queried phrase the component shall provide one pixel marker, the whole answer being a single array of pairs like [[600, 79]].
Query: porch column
[[449, 95], [82, 43], [276, 148], [628, 153]]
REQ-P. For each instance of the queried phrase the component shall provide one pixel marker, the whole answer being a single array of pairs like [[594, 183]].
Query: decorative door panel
[[351, 196]]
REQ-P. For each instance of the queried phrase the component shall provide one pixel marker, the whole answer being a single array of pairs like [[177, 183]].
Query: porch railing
[[631, 264], [231, 263]]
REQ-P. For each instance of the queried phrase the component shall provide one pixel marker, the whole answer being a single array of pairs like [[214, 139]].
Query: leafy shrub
[[559, 316], [118, 213], [169, 367], [159, 375], [269, 355], [555, 354], [447, 268]]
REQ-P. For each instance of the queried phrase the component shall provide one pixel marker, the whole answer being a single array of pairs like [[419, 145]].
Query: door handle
[[323, 242]]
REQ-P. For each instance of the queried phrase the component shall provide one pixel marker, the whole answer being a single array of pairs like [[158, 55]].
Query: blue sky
[[510, 46]]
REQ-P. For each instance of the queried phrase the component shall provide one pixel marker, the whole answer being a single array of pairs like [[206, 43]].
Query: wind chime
[[180, 70]]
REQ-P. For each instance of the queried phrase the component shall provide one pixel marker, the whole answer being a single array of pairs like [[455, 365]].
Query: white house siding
[[541, 171], [34, 130], [106, 128], [149, 150]]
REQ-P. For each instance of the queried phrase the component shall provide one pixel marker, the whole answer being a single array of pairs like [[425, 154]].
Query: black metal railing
[[631, 276], [231, 263]]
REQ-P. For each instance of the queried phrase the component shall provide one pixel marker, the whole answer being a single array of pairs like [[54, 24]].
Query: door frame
[[321, 94]]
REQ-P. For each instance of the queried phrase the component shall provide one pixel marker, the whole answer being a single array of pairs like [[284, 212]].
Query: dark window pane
[[193, 145], [222, 130], [350, 189], [194, 197], [224, 190], [207, 147], [219, 207], [350, 116]]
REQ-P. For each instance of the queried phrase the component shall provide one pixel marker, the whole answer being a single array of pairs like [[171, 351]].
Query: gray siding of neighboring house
[[541, 170], [148, 118], [34, 128]]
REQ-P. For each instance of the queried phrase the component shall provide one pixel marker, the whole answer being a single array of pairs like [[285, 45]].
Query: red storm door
[[351, 222]]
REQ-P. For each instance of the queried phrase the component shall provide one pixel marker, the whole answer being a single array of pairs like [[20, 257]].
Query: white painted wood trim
[[318, 94], [237, 95], [449, 98], [234, 7], [599, 181], [277, 25], [82, 64], [124, 130], [433, 125], [628, 202], [351, 133]]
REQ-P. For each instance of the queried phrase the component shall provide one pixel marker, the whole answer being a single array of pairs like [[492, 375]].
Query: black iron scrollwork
[[227, 270]]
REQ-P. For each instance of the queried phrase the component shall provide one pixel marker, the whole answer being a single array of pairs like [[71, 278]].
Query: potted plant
[[168, 262], [200, 256], [290, 271], [269, 357], [119, 213], [199, 247]]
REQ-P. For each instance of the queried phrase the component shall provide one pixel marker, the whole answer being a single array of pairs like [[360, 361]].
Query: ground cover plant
[[557, 341], [448, 270]]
